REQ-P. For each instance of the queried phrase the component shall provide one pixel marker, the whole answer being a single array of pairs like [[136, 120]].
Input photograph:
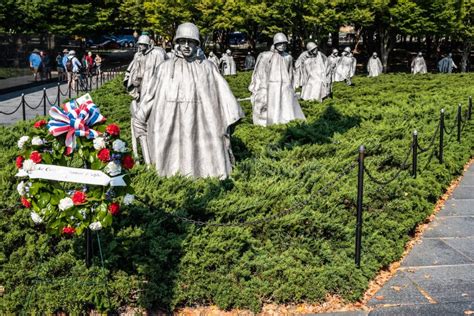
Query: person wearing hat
[[273, 97], [374, 66], [72, 66], [138, 75], [314, 77], [346, 67], [187, 112], [35, 63], [228, 64]]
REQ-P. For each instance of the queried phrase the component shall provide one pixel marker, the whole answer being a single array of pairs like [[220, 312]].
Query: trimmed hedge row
[[154, 259]]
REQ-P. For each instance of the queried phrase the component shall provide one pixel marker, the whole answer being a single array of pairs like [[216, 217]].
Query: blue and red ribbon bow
[[75, 120]]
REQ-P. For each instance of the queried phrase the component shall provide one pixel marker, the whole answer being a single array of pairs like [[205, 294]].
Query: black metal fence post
[[59, 94], [23, 106], [441, 135], [360, 194], [414, 165], [96, 81], [469, 110], [459, 121], [69, 90], [76, 82], [44, 101]]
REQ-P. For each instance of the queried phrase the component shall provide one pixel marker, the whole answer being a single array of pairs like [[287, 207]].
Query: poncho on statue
[[418, 65], [186, 113], [314, 74], [273, 98], [446, 64], [228, 64], [346, 68], [374, 66]]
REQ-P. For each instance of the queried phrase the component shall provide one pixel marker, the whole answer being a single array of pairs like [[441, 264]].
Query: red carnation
[[25, 202], [113, 129], [19, 161], [79, 197], [36, 157], [69, 230], [114, 208], [40, 124], [104, 155], [128, 162]]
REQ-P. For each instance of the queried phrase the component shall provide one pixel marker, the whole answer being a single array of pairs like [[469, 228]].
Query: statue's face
[[187, 46], [142, 47], [314, 51], [281, 47]]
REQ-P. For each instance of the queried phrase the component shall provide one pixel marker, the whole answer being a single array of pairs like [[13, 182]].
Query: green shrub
[[154, 259]]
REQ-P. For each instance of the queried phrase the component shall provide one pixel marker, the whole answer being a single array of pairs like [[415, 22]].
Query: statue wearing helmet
[[213, 58], [228, 64], [333, 60], [138, 76], [187, 112], [313, 76], [374, 66], [418, 64], [274, 100], [346, 67]]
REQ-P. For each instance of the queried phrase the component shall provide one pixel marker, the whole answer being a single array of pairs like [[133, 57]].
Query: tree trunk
[[387, 41], [335, 37], [466, 53]]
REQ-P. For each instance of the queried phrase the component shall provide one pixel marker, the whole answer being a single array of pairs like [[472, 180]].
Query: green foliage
[[153, 259]]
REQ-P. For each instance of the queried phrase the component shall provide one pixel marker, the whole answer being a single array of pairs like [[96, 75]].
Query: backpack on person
[[69, 65]]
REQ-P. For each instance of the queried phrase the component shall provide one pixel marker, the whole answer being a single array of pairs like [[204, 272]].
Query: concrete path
[[10, 102], [437, 276]]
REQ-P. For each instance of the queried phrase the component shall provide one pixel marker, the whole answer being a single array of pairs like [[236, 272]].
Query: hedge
[[287, 183]]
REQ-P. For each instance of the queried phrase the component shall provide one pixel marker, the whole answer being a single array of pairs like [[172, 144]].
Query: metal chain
[[35, 107], [65, 93], [10, 113], [49, 101], [402, 167], [282, 213], [432, 141]]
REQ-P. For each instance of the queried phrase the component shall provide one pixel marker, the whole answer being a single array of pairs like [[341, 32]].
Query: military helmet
[[347, 49], [228, 52], [310, 46], [279, 38], [144, 39], [187, 30], [335, 51]]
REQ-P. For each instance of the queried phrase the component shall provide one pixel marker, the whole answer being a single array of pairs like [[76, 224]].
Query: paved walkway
[[34, 98], [437, 276]]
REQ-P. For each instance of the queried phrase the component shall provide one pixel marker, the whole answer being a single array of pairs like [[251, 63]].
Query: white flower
[[119, 146], [22, 141], [36, 218], [99, 143], [83, 213], [112, 168], [29, 165], [65, 203], [128, 199], [21, 188], [95, 226], [37, 141]]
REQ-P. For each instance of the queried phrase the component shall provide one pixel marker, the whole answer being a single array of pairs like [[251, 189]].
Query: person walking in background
[[60, 67], [46, 59], [418, 65], [65, 55], [89, 63], [98, 63], [35, 63], [73, 66]]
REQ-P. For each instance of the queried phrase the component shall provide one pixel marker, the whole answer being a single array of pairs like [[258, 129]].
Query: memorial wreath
[[74, 169]]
